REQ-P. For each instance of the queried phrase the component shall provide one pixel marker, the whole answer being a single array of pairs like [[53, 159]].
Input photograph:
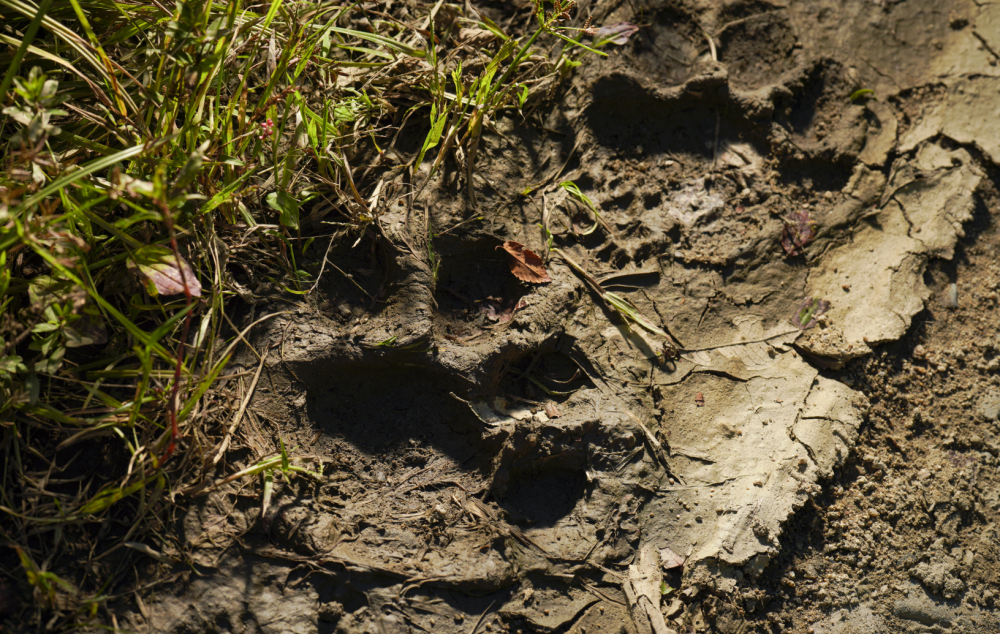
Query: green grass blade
[[88, 169]]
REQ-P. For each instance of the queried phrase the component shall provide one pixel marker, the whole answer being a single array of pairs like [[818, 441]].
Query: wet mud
[[807, 207]]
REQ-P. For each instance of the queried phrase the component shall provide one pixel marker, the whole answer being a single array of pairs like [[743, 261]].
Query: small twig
[[715, 144], [214, 460], [587, 277], [481, 617], [649, 435], [755, 16], [323, 264], [711, 45], [600, 594], [740, 343], [456, 226], [350, 278], [172, 403]]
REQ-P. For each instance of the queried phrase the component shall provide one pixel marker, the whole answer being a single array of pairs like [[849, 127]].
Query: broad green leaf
[[12, 365], [433, 136], [287, 206]]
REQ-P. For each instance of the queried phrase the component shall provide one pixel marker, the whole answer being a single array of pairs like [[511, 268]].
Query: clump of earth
[[804, 197]]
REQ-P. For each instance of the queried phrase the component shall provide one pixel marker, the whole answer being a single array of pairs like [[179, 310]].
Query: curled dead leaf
[[669, 559], [799, 230], [524, 264]]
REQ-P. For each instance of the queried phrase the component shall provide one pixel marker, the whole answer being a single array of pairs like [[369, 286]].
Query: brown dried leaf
[[552, 411], [669, 559], [524, 264]]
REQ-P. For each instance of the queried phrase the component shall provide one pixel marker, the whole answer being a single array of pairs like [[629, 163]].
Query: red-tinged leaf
[[525, 265], [699, 399], [164, 272], [669, 559], [614, 34], [552, 411], [798, 232]]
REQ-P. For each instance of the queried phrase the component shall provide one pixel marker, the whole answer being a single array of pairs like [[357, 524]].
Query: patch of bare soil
[[904, 537], [816, 444]]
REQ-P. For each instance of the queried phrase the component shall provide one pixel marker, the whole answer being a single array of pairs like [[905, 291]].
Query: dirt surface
[[500, 456]]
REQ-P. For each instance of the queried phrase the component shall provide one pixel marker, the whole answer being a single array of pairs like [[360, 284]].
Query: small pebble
[[952, 300]]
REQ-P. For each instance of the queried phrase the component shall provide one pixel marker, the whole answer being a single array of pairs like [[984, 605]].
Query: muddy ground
[[501, 456]]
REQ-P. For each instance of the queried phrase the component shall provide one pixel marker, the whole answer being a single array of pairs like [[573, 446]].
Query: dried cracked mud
[[516, 459]]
